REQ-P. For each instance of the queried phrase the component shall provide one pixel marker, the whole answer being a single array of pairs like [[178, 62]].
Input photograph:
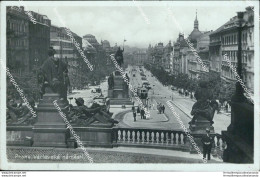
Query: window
[[8, 25]]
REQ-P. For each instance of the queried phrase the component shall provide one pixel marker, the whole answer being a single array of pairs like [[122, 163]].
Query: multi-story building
[[150, 54], [166, 59], [176, 57], [105, 45], [158, 54], [39, 40], [92, 40], [224, 41], [215, 51], [203, 52], [24, 51], [17, 40], [62, 43], [139, 57], [67, 51], [193, 65]]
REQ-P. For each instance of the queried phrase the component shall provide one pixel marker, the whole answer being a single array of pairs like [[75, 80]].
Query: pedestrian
[[207, 144], [142, 113], [138, 110], [163, 108], [133, 108], [226, 107], [134, 114]]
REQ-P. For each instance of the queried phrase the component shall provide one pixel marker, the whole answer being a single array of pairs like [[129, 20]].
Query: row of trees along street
[[220, 90]]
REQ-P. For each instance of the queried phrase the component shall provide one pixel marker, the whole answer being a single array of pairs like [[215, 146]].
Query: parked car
[[96, 90]]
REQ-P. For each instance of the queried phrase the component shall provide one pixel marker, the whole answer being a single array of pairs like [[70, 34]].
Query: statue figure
[[119, 56], [111, 81], [20, 114], [203, 108], [125, 83], [54, 75], [83, 115]]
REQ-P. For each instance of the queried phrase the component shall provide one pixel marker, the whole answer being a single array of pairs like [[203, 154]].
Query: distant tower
[[196, 22]]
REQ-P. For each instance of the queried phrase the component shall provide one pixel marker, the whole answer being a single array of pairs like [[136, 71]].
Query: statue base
[[96, 135], [197, 131], [50, 130]]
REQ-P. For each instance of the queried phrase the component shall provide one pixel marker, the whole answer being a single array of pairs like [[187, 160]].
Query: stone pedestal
[[50, 130], [96, 134], [240, 134], [197, 131], [119, 95]]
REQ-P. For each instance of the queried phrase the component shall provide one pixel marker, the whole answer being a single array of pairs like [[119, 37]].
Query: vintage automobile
[[96, 90]]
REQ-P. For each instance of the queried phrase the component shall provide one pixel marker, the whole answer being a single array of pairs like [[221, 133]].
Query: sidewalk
[[154, 119], [221, 121]]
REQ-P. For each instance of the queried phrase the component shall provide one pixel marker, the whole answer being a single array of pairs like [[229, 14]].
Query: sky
[[139, 25]]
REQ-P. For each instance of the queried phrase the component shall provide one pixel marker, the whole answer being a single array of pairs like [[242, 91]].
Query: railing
[[142, 137], [164, 139]]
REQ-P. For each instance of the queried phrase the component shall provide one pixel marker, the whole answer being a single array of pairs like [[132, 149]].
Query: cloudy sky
[[130, 22]]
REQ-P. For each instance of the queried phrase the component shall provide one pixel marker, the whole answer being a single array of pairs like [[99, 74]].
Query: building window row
[[17, 42], [231, 55], [229, 39], [18, 27]]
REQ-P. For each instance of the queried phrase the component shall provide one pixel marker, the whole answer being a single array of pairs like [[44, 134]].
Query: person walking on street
[[134, 114], [133, 108], [207, 144], [226, 107], [163, 108], [142, 114], [138, 110]]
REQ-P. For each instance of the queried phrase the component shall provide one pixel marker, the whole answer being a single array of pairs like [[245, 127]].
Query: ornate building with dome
[[196, 33]]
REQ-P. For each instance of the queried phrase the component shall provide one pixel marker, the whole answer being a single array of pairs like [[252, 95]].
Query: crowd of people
[[160, 108], [139, 111]]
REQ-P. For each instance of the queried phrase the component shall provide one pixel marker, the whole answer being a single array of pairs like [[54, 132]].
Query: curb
[[181, 109]]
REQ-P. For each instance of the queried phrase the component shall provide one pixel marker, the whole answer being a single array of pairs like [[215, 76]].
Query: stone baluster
[[145, 136], [138, 136], [135, 136], [165, 134], [150, 139], [131, 135], [179, 138], [184, 138], [174, 137], [120, 132], [122, 135], [126, 135], [160, 137], [141, 136], [155, 137], [169, 138]]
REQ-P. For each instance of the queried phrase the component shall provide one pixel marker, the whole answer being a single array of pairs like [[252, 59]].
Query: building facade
[[224, 41], [139, 57], [39, 31], [17, 40], [166, 59]]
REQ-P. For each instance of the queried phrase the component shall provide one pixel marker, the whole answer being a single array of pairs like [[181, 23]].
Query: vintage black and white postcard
[[130, 85]]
